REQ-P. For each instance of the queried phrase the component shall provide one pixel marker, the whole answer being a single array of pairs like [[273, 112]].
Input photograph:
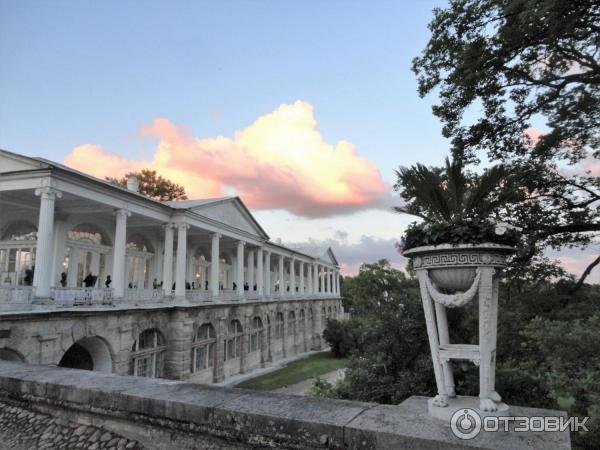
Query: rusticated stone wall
[[24, 429]]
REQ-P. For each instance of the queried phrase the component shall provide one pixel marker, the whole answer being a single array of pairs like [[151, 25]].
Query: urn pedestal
[[450, 276]]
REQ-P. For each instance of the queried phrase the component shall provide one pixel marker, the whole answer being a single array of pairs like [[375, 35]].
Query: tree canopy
[[501, 67], [153, 185]]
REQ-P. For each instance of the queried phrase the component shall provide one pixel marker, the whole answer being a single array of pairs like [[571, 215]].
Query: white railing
[[229, 295], [198, 295], [252, 295], [15, 296], [82, 296], [143, 295]]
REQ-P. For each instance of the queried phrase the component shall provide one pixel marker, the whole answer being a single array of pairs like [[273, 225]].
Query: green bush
[[342, 337]]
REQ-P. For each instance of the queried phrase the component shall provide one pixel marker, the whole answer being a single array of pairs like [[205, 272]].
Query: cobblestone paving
[[21, 429]]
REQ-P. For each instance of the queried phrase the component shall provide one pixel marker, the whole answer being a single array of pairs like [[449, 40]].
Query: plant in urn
[[458, 252]]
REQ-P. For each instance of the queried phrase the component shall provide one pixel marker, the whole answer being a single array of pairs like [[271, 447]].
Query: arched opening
[[85, 263], [17, 253], [91, 353], [8, 354]]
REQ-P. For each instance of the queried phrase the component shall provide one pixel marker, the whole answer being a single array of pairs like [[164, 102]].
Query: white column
[[73, 265], [45, 241], [292, 276], [240, 268], [190, 275], [267, 269], [167, 277], [337, 283], [309, 279], [250, 270], [315, 279], [95, 268], [118, 278], [214, 265], [180, 269], [60, 242], [282, 290], [140, 276], [260, 276], [302, 278], [157, 262]]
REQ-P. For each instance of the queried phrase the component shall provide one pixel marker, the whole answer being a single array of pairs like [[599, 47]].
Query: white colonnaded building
[[95, 276]]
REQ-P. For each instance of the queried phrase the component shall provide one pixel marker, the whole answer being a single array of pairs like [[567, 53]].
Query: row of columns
[[308, 280]]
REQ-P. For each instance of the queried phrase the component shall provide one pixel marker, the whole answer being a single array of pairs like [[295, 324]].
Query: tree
[[521, 62], [153, 185]]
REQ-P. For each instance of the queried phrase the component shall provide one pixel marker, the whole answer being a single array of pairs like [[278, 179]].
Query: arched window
[[17, 253], [203, 348], [255, 342], [329, 312], [323, 312], [148, 354], [335, 312], [20, 230], [302, 324], [233, 342], [279, 325], [291, 323], [88, 233], [139, 243]]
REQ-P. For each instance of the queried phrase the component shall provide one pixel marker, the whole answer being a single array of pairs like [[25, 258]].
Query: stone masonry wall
[[23, 429]]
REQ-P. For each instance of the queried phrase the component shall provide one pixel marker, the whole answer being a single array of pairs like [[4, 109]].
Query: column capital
[[242, 243], [217, 235], [122, 212], [48, 192], [168, 225], [182, 225]]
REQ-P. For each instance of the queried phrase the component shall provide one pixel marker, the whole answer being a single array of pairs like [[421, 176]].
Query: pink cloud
[[534, 134], [280, 161], [576, 266]]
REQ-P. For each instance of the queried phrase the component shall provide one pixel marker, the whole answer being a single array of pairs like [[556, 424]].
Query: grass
[[296, 371]]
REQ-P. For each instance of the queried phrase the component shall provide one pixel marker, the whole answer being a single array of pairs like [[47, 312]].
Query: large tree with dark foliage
[[501, 67], [153, 185]]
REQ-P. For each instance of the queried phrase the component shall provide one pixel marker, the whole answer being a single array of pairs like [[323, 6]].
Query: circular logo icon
[[465, 423]]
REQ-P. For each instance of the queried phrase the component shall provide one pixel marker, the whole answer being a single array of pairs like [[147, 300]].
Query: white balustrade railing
[[252, 295], [198, 295], [143, 295], [229, 295], [82, 296], [15, 295]]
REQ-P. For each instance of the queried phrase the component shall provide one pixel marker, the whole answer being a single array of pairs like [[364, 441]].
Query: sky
[[304, 109]]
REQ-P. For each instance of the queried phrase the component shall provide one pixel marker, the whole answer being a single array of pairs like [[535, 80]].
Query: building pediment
[[11, 162], [230, 211]]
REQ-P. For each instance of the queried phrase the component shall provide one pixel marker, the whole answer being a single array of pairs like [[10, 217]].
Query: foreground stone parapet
[[165, 414]]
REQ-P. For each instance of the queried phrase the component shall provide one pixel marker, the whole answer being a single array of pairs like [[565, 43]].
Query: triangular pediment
[[330, 257], [232, 212], [11, 162]]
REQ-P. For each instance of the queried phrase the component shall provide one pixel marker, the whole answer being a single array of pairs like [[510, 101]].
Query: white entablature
[[63, 233]]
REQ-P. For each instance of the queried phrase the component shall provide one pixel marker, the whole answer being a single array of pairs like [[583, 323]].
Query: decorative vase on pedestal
[[450, 276]]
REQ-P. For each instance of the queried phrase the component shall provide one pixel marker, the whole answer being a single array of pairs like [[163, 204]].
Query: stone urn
[[451, 276]]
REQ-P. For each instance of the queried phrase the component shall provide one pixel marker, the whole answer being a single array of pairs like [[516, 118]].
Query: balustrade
[[143, 295], [15, 296], [82, 296]]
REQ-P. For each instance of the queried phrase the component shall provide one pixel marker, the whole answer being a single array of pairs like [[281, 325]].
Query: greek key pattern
[[454, 259]]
